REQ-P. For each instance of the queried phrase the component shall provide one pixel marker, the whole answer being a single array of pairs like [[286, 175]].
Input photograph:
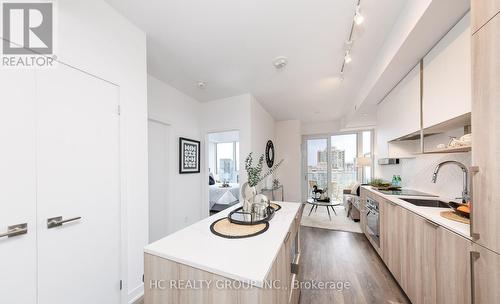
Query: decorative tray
[[238, 216]]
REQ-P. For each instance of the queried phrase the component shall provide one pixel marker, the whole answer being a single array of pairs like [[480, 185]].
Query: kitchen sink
[[426, 202]]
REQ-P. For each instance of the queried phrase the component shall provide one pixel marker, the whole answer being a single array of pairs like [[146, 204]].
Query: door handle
[[15, 230], [475, 236], [58, 221]]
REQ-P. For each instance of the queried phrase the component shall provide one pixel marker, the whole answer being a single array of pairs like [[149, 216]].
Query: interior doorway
[[223, 150]]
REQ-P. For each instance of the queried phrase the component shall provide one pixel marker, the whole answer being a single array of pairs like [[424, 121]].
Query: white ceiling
[[231, 44]]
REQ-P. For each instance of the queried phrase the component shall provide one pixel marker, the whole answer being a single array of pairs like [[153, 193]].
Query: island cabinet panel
[[453, 268], [483, 11], [164, 279], [485, 141], [485, 275]]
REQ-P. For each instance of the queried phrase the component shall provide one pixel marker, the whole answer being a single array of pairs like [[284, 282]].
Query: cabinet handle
[[474, 255], [15, 230], [432, 223], [287, 237], [473, 170], [58, 221]]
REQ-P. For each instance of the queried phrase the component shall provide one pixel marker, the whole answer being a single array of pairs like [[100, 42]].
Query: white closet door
[[17, 186], [158, 141], [78, 176]]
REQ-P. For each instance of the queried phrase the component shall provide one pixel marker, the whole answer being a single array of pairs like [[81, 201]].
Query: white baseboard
[[136, 294]]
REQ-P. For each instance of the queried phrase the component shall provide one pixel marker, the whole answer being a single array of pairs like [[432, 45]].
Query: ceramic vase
[[248, 194]]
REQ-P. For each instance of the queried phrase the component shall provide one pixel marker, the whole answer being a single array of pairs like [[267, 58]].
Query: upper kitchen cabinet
[[485, 141], [447, 76], [483, 10], [399, 114]]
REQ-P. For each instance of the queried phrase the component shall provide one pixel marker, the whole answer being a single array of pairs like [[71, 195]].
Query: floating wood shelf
[[450, 150]]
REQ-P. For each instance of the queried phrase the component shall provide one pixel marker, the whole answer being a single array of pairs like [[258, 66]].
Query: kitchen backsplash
[[416, 173]]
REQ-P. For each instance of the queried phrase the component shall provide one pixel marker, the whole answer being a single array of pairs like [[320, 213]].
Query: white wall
[[262, 131], [324, 127], [233, 113], [93, 37], [182, 113], [288, 147]]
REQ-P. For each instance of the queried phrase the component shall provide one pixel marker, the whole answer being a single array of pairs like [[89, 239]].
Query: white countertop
[[247, 259], [430, 213]]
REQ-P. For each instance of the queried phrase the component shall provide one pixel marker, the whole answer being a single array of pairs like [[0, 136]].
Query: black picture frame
[[189, 156]]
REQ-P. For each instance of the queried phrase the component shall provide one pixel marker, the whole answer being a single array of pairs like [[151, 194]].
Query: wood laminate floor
[[339, 256]]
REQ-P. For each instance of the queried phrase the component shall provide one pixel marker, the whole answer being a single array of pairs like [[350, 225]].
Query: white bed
[[223, 195]]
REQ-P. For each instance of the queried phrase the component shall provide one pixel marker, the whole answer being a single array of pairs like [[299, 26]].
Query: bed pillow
[[227, 198], [211, 180]]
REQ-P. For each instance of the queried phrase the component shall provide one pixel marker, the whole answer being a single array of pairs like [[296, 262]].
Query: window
[[367, 152], [226, 161]]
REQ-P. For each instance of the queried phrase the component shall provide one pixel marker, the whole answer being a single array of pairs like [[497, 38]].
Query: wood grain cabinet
[[417, 257], [486, 141], [392, 237], [486, 275], [483, 11], [453, 273]]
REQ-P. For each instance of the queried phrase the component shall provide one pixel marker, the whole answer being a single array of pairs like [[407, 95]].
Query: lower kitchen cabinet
[[485, 265], [453, 268], [418, 257], [431, 263], [391, 237]]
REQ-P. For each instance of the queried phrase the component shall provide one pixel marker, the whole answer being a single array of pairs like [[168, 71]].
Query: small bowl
[[455, 205]]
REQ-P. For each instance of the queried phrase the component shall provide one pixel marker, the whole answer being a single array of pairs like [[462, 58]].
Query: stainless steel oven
[[373, 220]]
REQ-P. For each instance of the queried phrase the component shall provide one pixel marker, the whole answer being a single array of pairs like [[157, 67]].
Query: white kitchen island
[[195, 266]]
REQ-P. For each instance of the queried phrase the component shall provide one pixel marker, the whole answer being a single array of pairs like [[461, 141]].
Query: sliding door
[[317, 164], [342, 167], [336, 161]]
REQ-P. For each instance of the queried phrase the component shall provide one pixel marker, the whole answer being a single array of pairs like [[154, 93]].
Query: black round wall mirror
[[270, 153]]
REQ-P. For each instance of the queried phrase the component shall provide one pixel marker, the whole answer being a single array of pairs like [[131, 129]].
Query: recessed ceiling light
[[358, 18], [201, 84], [280, 62]]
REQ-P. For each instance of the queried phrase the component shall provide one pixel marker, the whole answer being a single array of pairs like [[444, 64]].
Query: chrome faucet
[[465, 191]]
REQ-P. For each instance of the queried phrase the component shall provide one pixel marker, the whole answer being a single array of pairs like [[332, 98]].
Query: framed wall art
[[189, 156]]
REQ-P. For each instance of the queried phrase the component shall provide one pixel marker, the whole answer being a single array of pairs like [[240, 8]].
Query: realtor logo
[[27, 28]]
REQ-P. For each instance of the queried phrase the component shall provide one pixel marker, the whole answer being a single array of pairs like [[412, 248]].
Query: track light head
[[358, 18]]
